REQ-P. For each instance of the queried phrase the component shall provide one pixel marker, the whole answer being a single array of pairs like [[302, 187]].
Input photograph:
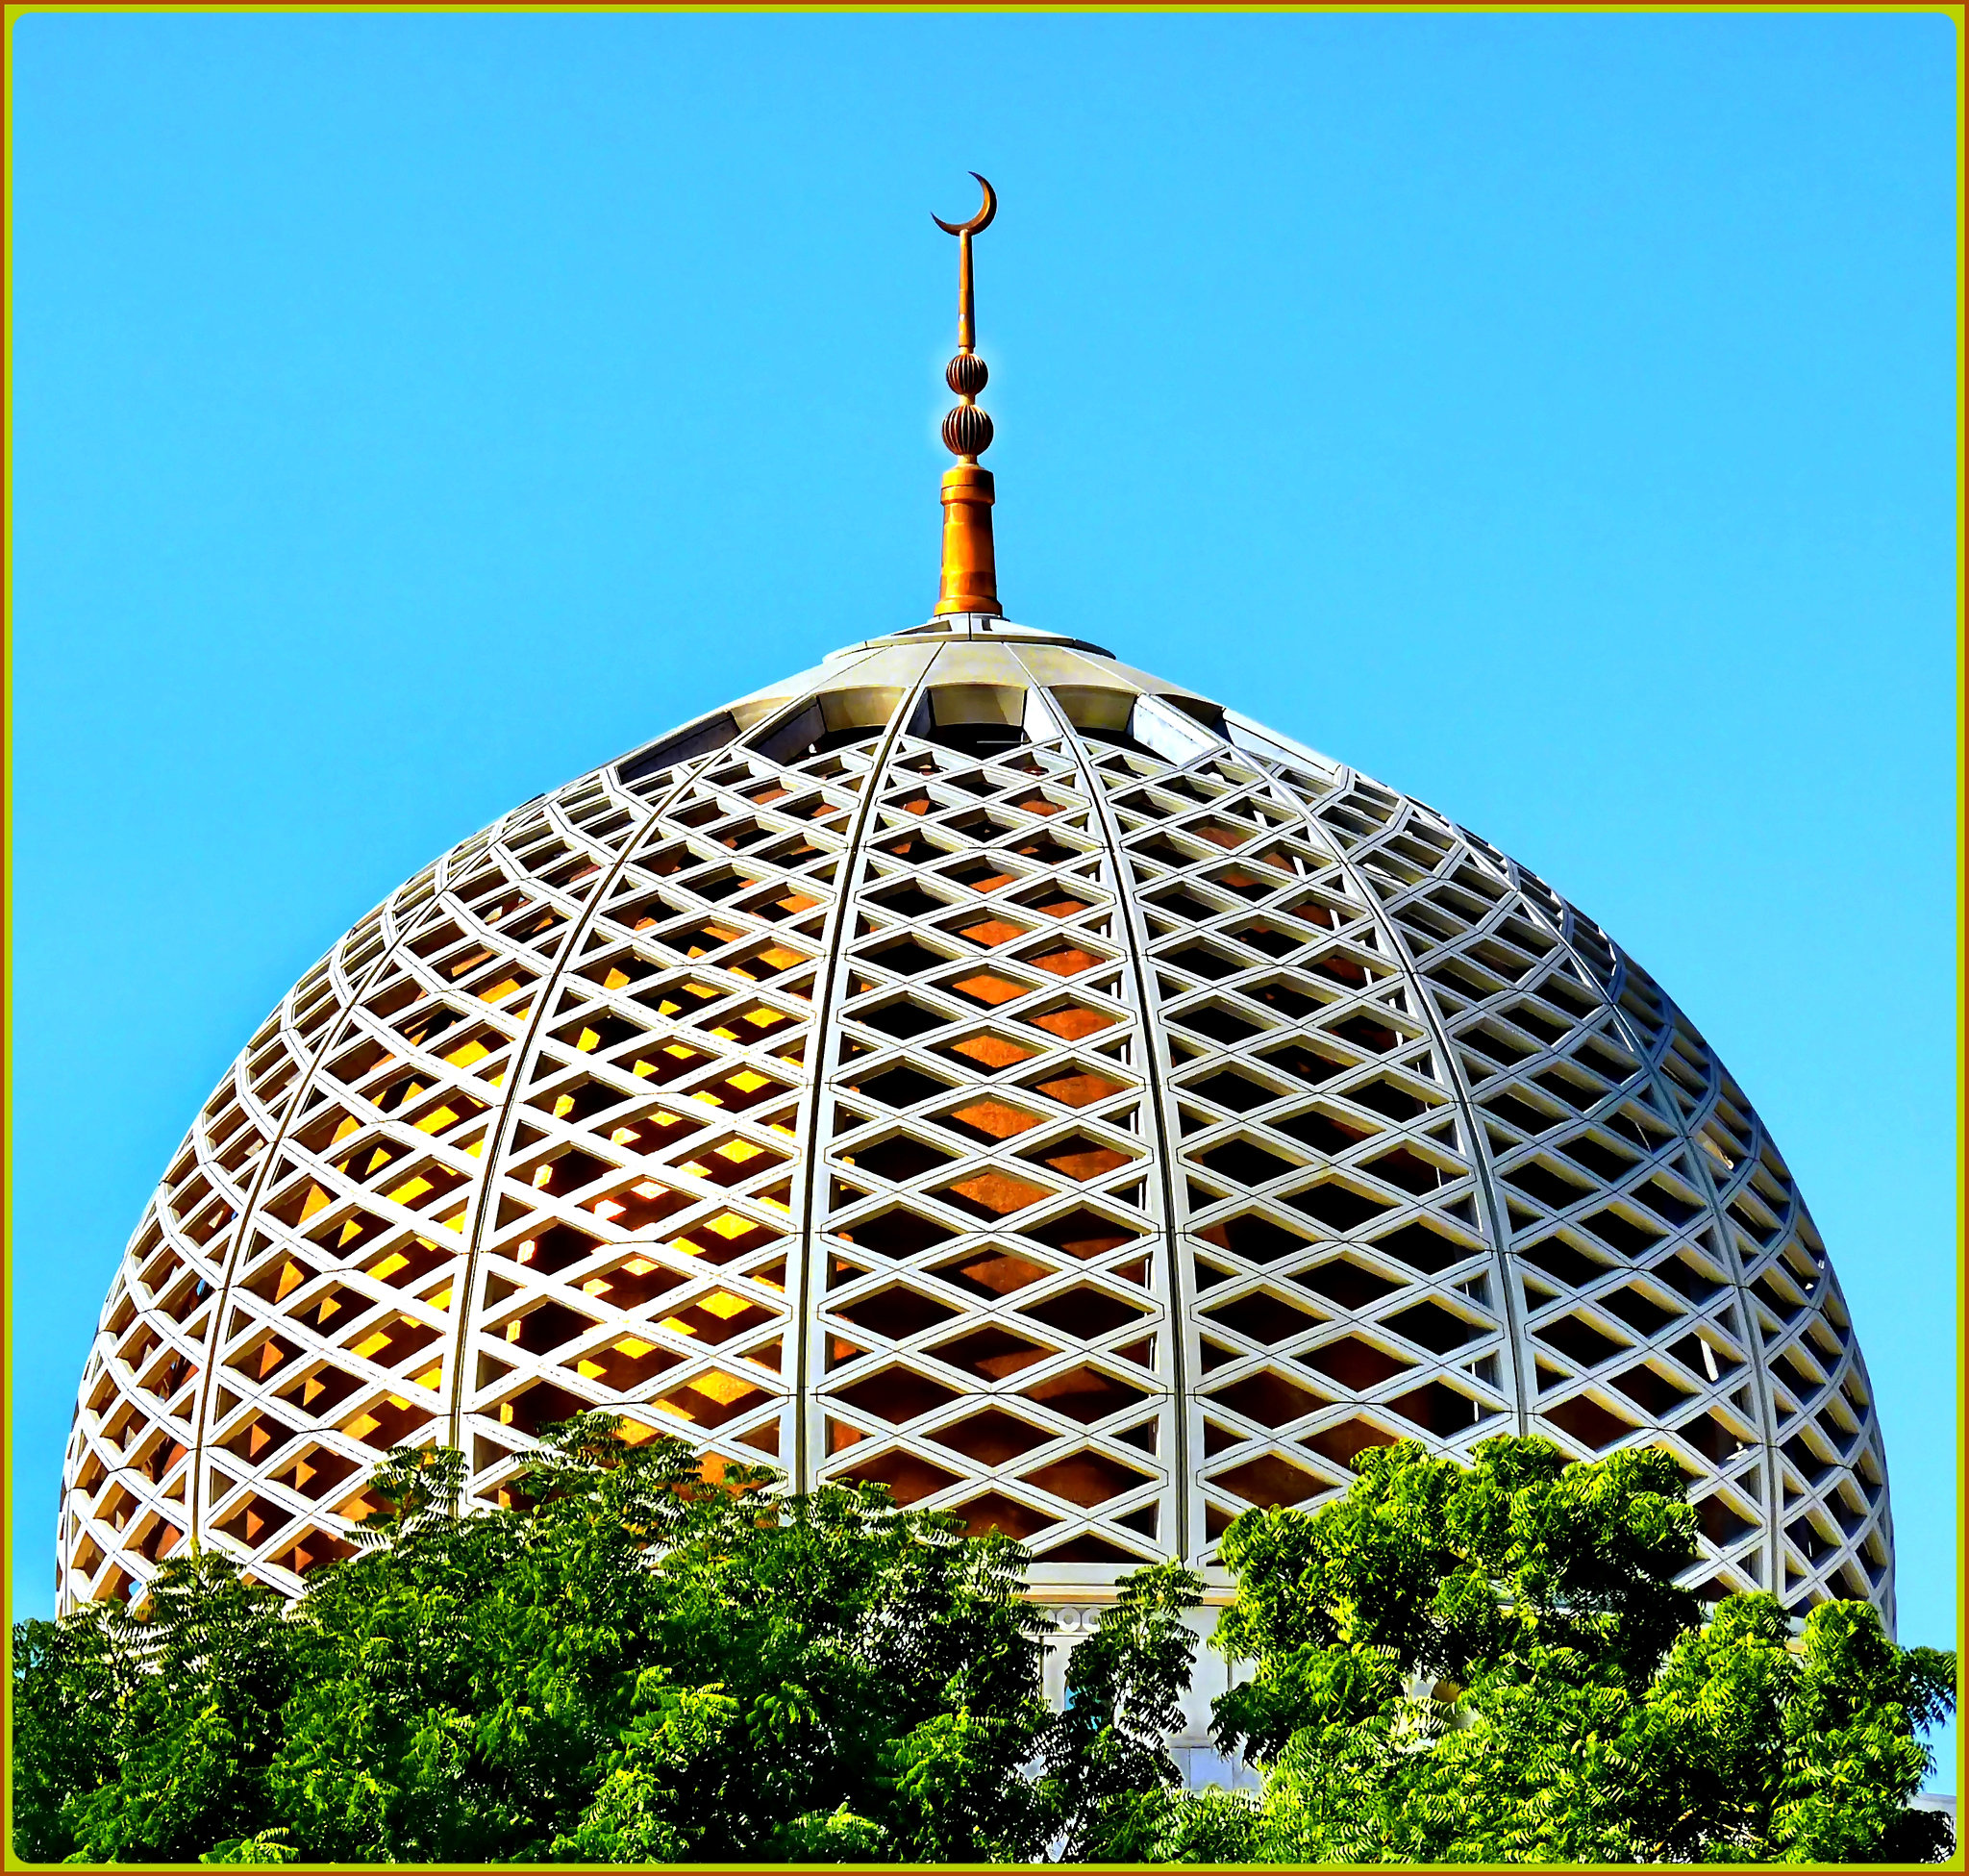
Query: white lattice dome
[[979, 1066]]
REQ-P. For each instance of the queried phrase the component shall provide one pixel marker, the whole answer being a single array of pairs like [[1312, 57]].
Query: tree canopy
[[633, 1664], [1492, 1664]]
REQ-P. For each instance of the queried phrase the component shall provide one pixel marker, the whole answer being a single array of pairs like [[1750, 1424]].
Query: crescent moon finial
[[980, 221]]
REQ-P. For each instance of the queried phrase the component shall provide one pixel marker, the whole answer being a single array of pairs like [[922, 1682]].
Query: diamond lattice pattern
[[1060, 1101]]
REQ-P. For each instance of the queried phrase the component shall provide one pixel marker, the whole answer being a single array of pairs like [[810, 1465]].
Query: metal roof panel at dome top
[[986, 626], [976, 1068], [1068, 666]]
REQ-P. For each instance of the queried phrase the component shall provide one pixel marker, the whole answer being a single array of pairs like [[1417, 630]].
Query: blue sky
[[1551, 415]]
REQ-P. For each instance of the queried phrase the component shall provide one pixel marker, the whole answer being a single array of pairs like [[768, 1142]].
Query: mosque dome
[[978, 1067], [981, 1067]]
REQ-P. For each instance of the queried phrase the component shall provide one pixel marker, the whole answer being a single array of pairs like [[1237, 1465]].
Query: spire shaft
[[967, 312]]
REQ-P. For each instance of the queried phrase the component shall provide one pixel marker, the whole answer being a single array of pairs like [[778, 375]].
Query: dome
[[979, 1066]]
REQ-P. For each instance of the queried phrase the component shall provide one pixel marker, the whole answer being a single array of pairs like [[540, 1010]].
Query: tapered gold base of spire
[[970, 569]]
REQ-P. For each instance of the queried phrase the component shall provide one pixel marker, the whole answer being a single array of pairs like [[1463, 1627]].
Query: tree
[[1108, 1775], [150, 1739], [637, 1664], [1493, 1665], [633, 1664]]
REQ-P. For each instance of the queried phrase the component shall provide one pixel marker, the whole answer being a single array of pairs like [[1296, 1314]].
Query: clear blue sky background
[[1553, 416]]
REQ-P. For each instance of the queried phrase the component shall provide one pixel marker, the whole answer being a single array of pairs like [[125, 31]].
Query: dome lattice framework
[[980, 1067]]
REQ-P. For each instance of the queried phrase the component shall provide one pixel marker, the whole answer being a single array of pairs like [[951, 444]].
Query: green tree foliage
[[1493, 1665], [634, 1667], [150, 1741], [1107, 1776], [1449, 1665]]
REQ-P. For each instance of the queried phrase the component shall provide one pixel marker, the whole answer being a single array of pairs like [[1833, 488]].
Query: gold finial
[[970, 572]]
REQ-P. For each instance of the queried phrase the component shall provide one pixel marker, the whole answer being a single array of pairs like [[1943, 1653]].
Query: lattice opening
[[1721, 1522], [1337, 1205], [1653, 1390], [1254, 1237], [988, 1051], [1445, 1410], [391, 1421], [1080, 1157], [991, 1121], [1084, 1313], [546, 1327], [1268, 1479], [711, 1399], [1269, 1398], [255, 1521], [1078, 1086], [1325, 1133], [897, 1394], [900, 1086], [908, 1475], [994, 1438], [1639, 1310], [316, 1473], [255, 1437], [992, 1272], [1346, 1282], [1412, 1171], [994, 1511], [1621, 1230], [154, 1539], [1432, 1327], [1357, 1366], [896, 1314], [1563, 1261], [1577, 1338], [1241, 1094], [1588, 1421], [1086, 1478], [897, 1233], [1082, 1232], [321, 1392], [1715, 1438], [1264, 1316], [993, 1194], [898, 1158], [1538, 1180], [1087, 1394]]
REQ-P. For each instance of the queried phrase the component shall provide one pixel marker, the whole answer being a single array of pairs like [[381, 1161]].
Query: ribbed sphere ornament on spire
[[966, 374], [977, 1066], [968, 432]]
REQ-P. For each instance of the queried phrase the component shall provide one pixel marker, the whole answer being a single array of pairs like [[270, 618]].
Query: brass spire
[[970, 572]]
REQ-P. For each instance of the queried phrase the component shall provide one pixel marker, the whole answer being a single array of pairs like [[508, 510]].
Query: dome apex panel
[[978, 1067]]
